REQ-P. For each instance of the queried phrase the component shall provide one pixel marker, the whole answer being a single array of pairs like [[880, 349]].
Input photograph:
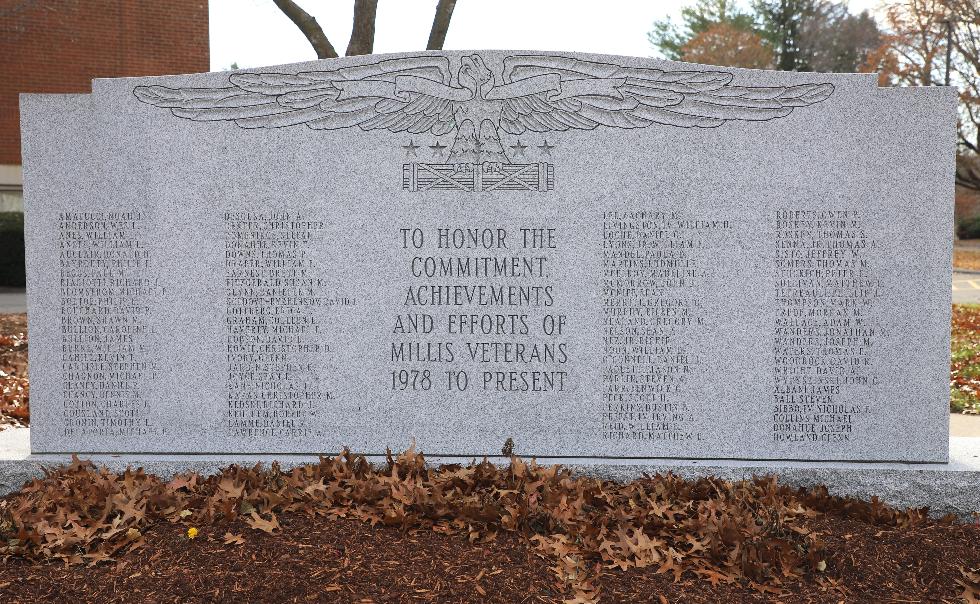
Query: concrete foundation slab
[[952, 487]]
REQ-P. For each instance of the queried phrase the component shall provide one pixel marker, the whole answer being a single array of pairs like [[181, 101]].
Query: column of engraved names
[[479, 312], [272, 293], [652, 268], [826, 291], [106, 298]]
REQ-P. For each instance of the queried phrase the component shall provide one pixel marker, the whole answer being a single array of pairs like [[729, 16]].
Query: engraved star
[[411, 149], [518, 149], [545, 147], [438, 150]]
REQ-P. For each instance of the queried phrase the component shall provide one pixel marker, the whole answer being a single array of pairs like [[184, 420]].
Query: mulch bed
[[346, 560], [341, 560], [343, 530]]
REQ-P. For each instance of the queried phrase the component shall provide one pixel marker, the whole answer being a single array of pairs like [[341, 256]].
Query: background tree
[[362, 32], [817, 35], [725, 44], [924, 37], [670, 38], [800, 35], [782, 25], [831, 39]]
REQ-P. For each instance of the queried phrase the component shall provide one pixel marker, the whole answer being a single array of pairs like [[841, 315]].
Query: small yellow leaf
[[191, 533], [822, 565], [133, 534], [185, 513]]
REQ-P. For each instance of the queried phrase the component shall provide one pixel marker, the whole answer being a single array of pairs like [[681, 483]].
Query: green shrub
[[12, 272], [968, 228]]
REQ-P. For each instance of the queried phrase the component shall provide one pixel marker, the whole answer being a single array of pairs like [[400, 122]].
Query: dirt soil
[[345, 560]]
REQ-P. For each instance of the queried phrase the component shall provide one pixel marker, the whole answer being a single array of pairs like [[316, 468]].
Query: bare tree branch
[[310, 28], [916, 50], [967, 178], [440, 24], [362, 34]]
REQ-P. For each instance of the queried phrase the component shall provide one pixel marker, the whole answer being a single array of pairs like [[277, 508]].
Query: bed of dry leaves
[[966, 257], [755, 535], [14, 389]]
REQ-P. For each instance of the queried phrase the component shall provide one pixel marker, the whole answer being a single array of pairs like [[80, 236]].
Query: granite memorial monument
[[594, 256]]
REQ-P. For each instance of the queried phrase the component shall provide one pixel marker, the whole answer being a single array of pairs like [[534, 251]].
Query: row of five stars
[[439, 150]]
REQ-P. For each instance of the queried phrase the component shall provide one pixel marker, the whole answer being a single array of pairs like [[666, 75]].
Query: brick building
[[61, 45]]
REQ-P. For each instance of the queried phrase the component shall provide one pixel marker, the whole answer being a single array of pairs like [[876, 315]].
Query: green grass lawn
[[964, 374]]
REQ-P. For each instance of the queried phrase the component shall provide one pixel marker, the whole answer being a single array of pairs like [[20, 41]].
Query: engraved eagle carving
[[537, 93]]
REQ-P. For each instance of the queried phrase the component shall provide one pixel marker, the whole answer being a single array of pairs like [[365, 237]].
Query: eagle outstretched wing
[[548, 93], [401, 95], [540, 93]]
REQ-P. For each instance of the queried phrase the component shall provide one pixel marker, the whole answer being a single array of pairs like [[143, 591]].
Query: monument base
[[952, 487]]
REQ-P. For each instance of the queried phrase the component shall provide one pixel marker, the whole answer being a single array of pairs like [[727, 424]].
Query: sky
[[254, 33]]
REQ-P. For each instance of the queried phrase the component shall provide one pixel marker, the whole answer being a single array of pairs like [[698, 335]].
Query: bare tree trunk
[[362, 34], [440, 24], [310, 28]]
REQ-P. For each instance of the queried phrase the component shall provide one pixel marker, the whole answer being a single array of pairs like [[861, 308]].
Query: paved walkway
[[964, 425], [13, 300], [966, 288]]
